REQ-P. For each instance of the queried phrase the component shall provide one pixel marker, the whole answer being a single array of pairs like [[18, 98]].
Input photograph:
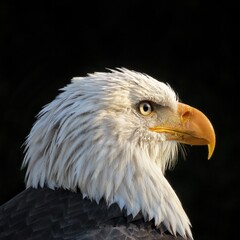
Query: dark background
[[189, 44]]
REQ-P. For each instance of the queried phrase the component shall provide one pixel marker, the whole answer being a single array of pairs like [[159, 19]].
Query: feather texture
[[61, 214]]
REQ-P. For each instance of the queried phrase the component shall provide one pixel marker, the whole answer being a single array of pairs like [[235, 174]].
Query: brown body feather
[[61, 214]]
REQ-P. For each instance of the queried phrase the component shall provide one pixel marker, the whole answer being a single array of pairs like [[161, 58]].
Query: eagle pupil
[[146, 107]]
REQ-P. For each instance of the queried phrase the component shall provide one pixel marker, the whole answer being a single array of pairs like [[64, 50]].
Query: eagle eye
[[145, 108]]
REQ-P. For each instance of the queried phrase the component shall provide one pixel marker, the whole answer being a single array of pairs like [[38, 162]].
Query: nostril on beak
[[186, 114]]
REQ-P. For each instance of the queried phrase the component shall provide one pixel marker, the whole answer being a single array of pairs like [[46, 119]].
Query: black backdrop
[[189, 44]]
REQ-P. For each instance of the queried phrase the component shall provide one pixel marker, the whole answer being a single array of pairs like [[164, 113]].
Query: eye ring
[[145, 108]]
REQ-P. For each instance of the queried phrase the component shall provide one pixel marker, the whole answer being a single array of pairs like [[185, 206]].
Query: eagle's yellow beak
[[189, 126]]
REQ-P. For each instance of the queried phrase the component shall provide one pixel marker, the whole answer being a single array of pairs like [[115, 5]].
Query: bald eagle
[[95, 161]]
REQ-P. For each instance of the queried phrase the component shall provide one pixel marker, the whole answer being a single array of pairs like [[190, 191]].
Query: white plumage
[[93, 137]]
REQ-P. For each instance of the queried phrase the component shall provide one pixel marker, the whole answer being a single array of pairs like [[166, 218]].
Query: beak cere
[[189, 126]]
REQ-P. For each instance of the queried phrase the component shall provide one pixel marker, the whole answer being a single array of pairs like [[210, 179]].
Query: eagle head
[[112, 135]]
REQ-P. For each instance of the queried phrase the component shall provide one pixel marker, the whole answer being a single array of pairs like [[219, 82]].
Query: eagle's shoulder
[[62, 214]]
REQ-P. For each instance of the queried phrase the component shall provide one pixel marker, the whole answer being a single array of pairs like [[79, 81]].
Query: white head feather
[[92, 138]]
